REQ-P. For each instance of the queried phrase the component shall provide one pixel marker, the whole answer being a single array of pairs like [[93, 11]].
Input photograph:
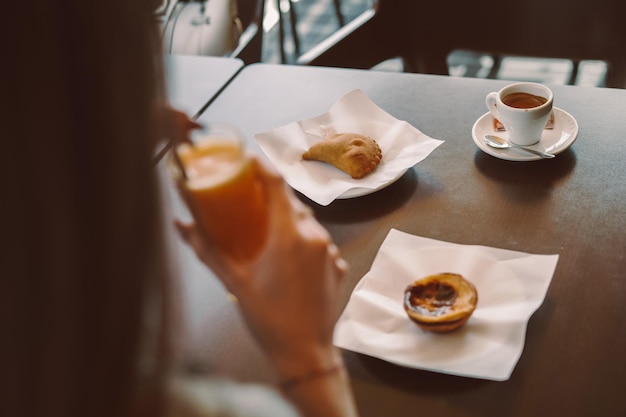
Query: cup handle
[[492, 105]]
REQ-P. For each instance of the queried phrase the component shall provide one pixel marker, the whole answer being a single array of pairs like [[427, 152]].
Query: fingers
[[192, 237], [340, 263], [308, 227], [282, 201], [191, 124], [184, 230], [283, 207], [293, 231], [179, 125], [182, 120]]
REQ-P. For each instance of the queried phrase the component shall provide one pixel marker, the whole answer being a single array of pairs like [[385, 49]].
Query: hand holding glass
[[220, 187]]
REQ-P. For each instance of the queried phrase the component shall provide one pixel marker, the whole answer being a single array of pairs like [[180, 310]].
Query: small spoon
[[500, 143]]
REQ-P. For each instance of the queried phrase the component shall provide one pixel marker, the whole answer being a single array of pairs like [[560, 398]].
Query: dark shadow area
[[397, 28], [536, 177], [537, 327], [415, 380], [457, 390], [369, 206]]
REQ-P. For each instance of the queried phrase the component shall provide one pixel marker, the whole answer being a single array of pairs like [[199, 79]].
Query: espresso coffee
[[523, 109], [521, 100]]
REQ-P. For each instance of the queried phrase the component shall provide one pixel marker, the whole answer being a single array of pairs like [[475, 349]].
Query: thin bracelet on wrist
[[291, 383]]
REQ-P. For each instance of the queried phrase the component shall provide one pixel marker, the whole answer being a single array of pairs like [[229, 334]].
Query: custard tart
[[440, 302]]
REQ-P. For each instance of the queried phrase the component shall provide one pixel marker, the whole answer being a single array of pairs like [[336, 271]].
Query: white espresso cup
[[523, 109]]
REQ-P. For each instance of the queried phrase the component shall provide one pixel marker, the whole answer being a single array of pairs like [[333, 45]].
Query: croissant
[[355, 154]]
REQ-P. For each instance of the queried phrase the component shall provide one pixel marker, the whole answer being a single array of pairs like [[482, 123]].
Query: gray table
[[573, 363], [194, 80]]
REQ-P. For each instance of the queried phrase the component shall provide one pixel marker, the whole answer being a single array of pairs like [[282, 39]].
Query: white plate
[[402, 147], [358, 192], [554, 140]]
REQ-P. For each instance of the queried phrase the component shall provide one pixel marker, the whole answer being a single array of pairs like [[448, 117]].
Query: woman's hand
[[176, 125], [289, 297], [290, 294]]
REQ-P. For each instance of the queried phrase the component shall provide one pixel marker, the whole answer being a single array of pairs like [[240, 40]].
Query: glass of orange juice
[[220, 186]]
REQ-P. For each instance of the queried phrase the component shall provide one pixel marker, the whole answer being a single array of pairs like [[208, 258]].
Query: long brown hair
[[84, 255]]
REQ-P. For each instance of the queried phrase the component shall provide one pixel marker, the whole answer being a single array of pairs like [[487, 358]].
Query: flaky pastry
[[355, 154], [441, 302]]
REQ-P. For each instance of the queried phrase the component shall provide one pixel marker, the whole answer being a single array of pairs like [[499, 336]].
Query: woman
[[85, 293]]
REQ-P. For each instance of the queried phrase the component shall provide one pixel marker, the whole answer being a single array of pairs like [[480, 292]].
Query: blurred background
[[557, 41], [306, 23]]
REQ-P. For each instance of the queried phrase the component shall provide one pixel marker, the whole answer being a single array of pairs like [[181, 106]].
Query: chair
[[425, 36], [188, 30], [293, 23], [250, 48]]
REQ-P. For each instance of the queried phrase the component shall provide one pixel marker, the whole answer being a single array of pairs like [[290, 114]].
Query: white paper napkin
[[511, 286], [402, 147]]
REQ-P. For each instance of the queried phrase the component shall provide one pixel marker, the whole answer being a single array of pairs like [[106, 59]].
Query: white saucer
[[554, 140]]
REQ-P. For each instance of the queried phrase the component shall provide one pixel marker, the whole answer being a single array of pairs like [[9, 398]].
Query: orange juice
[[224, 196]]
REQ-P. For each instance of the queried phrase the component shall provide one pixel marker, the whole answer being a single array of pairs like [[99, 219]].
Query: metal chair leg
[[340, 18], [294, 31], [281, 33]]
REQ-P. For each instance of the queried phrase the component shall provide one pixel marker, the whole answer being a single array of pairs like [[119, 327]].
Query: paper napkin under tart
[[511, 286], [402, 147]]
